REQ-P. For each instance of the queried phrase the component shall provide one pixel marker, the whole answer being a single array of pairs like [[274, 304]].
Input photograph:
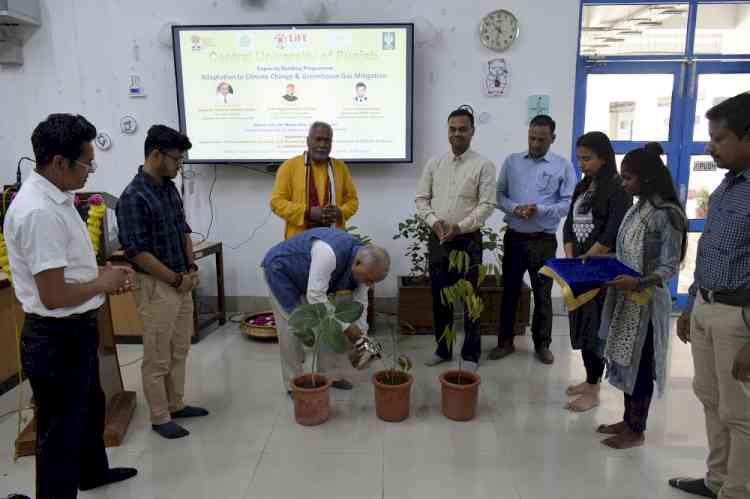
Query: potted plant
[[702, 197], [315, 324], [459, 388], [415, 294], [393, 384]]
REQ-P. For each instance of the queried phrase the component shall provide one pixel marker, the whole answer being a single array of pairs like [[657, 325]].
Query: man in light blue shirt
[[534, 190]]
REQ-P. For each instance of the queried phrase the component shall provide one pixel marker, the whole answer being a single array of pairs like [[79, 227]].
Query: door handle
[[693, 83], [681, 87]]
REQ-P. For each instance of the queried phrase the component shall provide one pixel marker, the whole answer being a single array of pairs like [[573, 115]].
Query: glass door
[[709, 84]]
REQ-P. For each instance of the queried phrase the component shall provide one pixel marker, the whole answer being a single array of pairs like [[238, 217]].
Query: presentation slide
[[249, 93]]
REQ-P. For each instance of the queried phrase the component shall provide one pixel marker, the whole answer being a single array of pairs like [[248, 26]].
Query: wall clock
[[498, 30]]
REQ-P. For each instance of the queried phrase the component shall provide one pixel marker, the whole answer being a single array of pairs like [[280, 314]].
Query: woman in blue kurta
[[652, 241]]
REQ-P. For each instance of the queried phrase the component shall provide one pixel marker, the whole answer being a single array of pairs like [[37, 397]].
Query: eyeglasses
[[178, 159]]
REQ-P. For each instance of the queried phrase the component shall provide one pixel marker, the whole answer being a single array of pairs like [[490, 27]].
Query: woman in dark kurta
[[598, 206]]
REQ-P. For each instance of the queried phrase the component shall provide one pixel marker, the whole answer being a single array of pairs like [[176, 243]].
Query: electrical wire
[[252, 234], [211, 204], [18, 168]]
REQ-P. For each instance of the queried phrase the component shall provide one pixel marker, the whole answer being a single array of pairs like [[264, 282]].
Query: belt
[[530, 236], [739, 298], [91, 314]]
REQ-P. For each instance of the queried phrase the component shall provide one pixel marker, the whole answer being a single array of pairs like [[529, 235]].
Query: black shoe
[[501, 351], [16, 496], [342, 384], [545, 356], [189, 412], [696, 486], [113, 475], [170, 430]]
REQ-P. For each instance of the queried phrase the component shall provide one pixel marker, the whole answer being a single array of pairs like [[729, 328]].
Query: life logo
[[291, 40]]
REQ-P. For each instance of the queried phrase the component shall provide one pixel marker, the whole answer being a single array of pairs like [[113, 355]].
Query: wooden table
[[203, 250]]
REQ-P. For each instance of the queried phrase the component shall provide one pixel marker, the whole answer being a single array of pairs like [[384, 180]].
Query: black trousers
[[441, 277], [522, 254], [594, 366], [59, 356], [637, 405]]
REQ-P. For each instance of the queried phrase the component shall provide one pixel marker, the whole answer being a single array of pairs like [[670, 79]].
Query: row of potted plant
[[317, 324]]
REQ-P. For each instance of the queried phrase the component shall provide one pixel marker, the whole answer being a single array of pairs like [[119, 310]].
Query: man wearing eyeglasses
[[60, 287], [156, 239]]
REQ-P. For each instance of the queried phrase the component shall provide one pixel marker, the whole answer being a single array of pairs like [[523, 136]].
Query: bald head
[[371, 265], [319, 141]]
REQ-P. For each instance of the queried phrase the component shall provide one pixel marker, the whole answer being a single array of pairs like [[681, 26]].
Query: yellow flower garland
[[93, 223]]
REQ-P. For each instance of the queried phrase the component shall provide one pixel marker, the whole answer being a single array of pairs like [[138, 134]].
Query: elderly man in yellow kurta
[[313, 189]]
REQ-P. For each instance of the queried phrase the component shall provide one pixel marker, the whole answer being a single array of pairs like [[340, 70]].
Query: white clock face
[[498, 30]]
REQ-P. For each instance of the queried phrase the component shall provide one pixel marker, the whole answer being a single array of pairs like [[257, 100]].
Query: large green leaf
[[307, 337], [307, 316], [332, 335], [349, 311]]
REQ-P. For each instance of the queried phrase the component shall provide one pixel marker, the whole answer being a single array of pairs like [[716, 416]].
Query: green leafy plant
[[418, 233], [395, 365], [702, 197], [318, 323], [354, 231], [462, 292]]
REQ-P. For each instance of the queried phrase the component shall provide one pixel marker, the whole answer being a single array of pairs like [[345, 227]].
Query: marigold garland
[[94, 220]]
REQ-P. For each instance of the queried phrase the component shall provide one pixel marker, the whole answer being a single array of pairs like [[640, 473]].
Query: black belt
[[530, 236], [85, 316], [739, 298]]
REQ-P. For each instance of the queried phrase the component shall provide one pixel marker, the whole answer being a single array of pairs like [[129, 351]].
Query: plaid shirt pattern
[[151, 218], [723, 262]]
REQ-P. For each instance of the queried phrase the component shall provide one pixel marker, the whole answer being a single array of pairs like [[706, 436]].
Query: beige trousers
[[167, 318], [717, 332]]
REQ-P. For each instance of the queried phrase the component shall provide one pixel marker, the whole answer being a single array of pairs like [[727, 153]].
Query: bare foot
[[625, 440], [576, 389], [585, 402], [612, 429]]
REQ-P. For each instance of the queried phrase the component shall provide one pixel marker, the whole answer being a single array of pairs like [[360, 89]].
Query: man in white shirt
[[308, 267], [456, 196], [60, 287]]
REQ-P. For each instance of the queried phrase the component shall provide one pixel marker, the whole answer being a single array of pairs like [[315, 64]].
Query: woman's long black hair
[[600, 145], [656, 186]]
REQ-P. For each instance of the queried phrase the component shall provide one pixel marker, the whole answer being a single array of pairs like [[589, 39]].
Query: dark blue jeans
[[59, 356], [441, 277]]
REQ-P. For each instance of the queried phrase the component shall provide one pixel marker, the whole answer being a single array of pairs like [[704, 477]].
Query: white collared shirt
[[322, 266], [44, 231], [458, 190]]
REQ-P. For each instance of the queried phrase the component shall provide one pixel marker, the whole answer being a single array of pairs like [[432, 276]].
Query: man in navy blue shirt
[[717, 319], [156, 239], [534, 190]]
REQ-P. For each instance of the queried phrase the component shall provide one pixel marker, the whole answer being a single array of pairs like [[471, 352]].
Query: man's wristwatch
[[177, 281], [193, 267]]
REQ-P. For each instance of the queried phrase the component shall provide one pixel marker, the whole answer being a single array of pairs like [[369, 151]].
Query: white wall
[[79, 60]]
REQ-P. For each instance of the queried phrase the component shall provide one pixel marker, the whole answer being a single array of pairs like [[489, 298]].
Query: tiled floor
[[522, 445]]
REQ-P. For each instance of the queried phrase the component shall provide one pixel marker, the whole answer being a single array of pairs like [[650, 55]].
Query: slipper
[[696, 486]]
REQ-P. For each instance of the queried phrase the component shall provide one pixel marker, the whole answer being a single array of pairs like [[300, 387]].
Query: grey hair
[[374, 256], [319, 124]]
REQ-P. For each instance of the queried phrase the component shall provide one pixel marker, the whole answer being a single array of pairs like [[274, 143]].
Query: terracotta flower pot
[[392, 400], [460, 400], [312, 406]]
